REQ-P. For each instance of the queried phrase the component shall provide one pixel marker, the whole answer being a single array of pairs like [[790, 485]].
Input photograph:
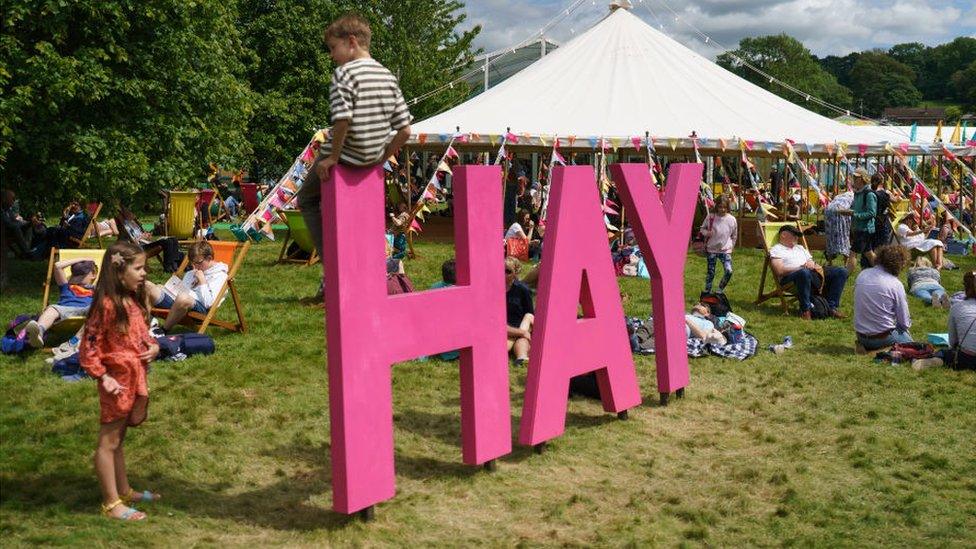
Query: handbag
[[953, 355]]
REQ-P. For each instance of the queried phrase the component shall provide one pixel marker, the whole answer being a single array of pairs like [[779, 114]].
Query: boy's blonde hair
[[350, 24], [923, 262], [200, 249]]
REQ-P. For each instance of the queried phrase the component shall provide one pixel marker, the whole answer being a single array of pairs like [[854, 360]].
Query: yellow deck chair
[[181, 211], [769, 234], [232, 254], [68, 326], [297, 232], [91, 232]]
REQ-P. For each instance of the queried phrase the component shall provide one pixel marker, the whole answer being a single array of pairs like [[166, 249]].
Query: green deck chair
[[297, 232]]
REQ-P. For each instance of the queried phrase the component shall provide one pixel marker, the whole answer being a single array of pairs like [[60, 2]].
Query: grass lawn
[[814, 447]]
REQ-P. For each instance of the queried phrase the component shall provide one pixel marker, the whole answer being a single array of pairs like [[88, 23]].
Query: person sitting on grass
[[116, 350], [448, 279], [201, 285], [961, 354], [881, 316], [792, 264], [913, 237], [74, 300], [520, 311], [925, 283]]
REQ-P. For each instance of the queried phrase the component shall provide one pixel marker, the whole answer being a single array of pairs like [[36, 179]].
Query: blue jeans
[[835, 278], [726, 260], [231, 203], [896, 336], [928, 292]]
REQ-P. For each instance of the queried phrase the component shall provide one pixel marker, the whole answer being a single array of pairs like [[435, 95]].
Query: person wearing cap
[[863, 210], [793, 264], [74, 300]]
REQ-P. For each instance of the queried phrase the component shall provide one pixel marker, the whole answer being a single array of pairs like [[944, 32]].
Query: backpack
[[15, 339], [820, 309], [397, 283], [914, 350], [717, 302]]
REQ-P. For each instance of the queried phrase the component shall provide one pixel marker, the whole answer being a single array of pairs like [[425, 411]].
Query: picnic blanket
[[739, 351]]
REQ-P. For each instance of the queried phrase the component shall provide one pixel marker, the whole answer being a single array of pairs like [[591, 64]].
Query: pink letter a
[[576, 269], [368, 331], [663, 232]]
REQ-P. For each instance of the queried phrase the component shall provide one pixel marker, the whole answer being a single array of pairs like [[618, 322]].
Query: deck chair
[[299, 234], [769, 234], [232, 254], [249, 196], [68, 326], [204, 200], [181, 209], [91, 231]]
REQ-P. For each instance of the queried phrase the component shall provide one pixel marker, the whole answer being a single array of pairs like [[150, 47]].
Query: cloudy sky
[[825, 26]]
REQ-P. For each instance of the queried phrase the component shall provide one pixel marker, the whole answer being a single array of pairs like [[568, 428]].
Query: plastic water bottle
[[788, 341]]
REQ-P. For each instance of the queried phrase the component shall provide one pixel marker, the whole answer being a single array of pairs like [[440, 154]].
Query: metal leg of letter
[[680, 393], [539, 448], [622, 415], [664, 399], [491, 466], [367, 514]]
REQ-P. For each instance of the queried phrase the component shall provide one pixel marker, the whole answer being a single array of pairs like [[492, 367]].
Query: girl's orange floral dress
[[106, 350]]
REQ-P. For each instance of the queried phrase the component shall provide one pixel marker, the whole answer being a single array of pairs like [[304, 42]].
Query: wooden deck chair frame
[[91, 231], [283, 257], [784, 292], [222, 211], [124, 236], [96, 255], [200, 320]]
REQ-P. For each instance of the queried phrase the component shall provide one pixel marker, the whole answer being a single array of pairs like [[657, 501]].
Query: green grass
[[814, 447]]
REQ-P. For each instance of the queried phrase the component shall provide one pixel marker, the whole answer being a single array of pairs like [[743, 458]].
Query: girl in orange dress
[[115, 350]]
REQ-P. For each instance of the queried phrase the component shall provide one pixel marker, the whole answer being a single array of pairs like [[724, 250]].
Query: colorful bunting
[[861, 149], [723, 144], [636, 142]]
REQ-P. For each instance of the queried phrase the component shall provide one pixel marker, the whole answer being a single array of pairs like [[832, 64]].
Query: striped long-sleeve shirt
[[368, 95]]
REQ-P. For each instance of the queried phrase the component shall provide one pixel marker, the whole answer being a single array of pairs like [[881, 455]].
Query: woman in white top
[[911, 236], [961, 354]]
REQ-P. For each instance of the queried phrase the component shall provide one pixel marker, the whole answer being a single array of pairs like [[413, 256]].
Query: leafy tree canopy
[[786, 59]]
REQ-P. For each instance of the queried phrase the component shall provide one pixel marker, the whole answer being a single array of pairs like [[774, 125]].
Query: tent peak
[[618, 4]]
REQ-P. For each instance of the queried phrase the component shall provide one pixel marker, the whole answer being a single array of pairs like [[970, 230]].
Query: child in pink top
[[720, 230], [115, 350]]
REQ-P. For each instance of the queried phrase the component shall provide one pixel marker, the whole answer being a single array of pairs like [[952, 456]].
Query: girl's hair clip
[[117, 259]]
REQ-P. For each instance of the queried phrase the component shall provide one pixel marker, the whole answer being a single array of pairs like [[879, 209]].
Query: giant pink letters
[[576, 270], [663, 231], [368, 331]]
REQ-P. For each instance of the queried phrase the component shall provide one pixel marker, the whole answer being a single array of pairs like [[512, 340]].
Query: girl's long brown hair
[[110, 288]]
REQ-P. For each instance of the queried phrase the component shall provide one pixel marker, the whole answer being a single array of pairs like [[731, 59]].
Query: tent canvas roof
[[622, 78]]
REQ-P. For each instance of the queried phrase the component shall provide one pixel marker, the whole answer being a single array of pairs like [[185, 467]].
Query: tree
[[880, 81], [964, 82], [290, 69], [104, 98], [840, 67], [786, 59], [911, 54], [941, 62]]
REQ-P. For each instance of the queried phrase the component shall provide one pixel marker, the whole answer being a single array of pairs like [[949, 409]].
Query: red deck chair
[[249, 191]]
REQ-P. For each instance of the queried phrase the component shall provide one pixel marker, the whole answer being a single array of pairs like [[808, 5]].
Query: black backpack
[[717, 302], [821, 309]]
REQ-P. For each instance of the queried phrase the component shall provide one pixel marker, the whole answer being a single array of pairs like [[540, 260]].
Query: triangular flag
[[511, 137], [903, 147], [722, 143], [415, 227], [829, 147], [914, 132], [572, 139], [673, 143], [444, 167], [592, 141], [808, 147], [938, 133], [768, 146], [650, 144], [445, 137], [608, 210], [526, 137], [557, 158], [615, 143], [422, 138], [420, 213], [749, 144], [542, 140], [501, 154], [956, 138], [861, 149], [492, 138], [636, 142], [451, 153], [461, 138], [474, 136]]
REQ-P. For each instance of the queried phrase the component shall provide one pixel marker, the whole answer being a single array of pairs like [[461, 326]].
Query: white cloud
[[826, 27]]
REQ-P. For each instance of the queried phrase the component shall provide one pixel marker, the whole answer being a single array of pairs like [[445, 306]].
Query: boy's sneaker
[[35, 334]]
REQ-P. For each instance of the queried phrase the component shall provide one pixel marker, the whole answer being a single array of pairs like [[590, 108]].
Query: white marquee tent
[[622, 78]]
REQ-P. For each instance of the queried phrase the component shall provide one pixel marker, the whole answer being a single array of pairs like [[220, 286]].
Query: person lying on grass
[[699, 324], [116, 350], [74, 300], [201, 285]]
